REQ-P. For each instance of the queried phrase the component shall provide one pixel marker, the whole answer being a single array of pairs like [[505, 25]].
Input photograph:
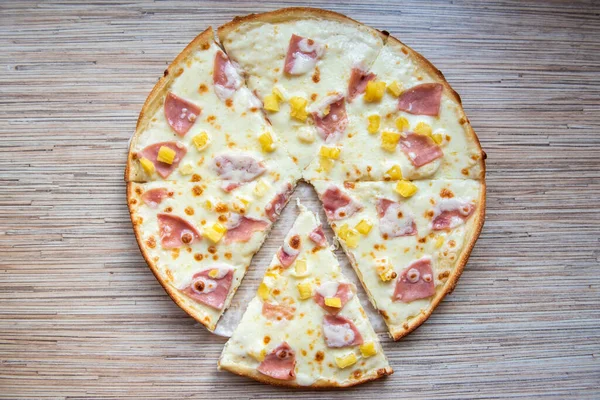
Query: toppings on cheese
[[374, 91], [271, 102], [389, 140], [439, 242], [394, 173], [298, 108], [166, 155], [280, 363], [306, 134], [394, 220], [423, 129], [438, 138], [201, 141], [211, 290], [349, 236], [153, 197], [374, 121], [325, 164], [406, 188], [305, 290], [340, 332], [237, 169], [263, 291], [333, 289], [240, 229], [266, 142], [318, 236], [175, 231], [215, 232], [302, 55], [364, 226], [289, 251], [420, 149], [171, 151], [346, 361], [330, 152], [395, 88], [451, 213], [358, 82], [180, 113], [147, 165], [225, 77], [186, 169], [277, 312], [422, 99], [368, 349], [273, 209], [402, 124], [334, 302], [330, 117], [415, 282], [261, 188], [300, 267], [337, 204]]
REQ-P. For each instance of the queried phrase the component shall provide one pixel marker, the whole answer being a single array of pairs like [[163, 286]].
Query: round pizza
[[243, 114]]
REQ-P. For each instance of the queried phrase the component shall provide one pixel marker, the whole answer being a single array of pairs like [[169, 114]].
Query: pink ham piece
[[337, 204], [422, 99], [180, 113], [420, 149], [358, 82], [176, 231], [393, 220], [302, 55], [275, 312], [340, 332], [318, 236], [343, 291], [225, 77], [334, 123], [273, 209], [449, 214], [208, 290], [153, 197], [242, 228], [415, 282], [289, 251], [280, 363], [237, 169], [163, 169]]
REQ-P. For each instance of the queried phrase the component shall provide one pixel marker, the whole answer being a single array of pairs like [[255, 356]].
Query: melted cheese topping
[[315, 362], [373, 250]]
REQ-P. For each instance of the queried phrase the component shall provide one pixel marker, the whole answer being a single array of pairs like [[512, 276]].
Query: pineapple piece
[[438, 138], [215, 233], [277, 93], [186, 169], [201, 141], [166, 155], [346, 361], [334, 302], [271, 103], [439, 242], [406, 188], [423, 129], [266, 142], [305, 290], [332, 153], [374, 121], [213, 273], [147, 165], [326, 164], [352, 238], [364, 226], [260, 356], [263, 291], [374, 91], [208, 205], [389, 140], [368, 349], [300, 267], [395, 88], [261, 188], [298, 108], [394, 173], [386, 273], [402, 124]]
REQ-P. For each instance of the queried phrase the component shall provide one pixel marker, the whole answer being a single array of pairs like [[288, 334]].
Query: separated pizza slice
[[202, 123], [199, 241], [306, 65], [408, 242], [410, 120], [306, 326]]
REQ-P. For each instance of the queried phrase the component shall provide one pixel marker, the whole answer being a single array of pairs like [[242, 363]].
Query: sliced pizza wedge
[[407, 241], [306, 65], [410, 120], [201, 123], [199, 240], [306, 326]]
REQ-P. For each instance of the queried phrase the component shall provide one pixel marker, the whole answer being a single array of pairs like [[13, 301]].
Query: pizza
[[240, 117], [305, 327]]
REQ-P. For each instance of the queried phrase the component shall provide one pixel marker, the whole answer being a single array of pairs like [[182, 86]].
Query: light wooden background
[[81, 316]]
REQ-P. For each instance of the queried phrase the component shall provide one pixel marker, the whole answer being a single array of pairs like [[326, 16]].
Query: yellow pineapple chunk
[[330, 152], [258, 356], [402, 124], [352, 238], [439, 242], [266, 142], [263, 291], [298, 108], [213, 273], [368, 349], [261, 188], [147, 165], [334, 302], [389, 140], [364, 226], [271, 103], [201, 141], [346, 361], [394, 173], [186, 169], [406, 188], [215, 232], [374, 91], [300, 267], [423, 129], [395, 88], [437, 138], [326, 164], [386, 273], [305, 290], [166, 155], [374, 121], [208, 205], [277, 93]]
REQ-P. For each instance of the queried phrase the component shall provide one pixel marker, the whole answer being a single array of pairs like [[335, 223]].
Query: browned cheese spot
[[151, 242], [197, 190], [295, 242], [168, 209], [221, 208], [198, 257], [212, 249], [189, 210], [196, 178], [317, 75], [266, 339], [178, 72], [138, 190], [229, 102], [202, 88], [319, 356], [446, 193]]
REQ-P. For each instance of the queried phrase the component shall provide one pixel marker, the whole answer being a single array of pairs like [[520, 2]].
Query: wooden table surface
[[81, 316]]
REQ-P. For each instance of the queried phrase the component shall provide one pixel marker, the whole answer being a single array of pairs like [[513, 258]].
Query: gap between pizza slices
[[304, 93]]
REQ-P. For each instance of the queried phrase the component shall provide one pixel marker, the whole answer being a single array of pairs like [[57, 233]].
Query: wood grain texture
[[81, 316]]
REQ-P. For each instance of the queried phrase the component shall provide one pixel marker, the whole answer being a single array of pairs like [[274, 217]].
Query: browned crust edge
[[155, 98], [291, 14], [257, 376]]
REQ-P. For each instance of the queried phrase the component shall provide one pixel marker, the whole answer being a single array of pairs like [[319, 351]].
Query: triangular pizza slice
[[305, 327], [199, 240], [408, 242]]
